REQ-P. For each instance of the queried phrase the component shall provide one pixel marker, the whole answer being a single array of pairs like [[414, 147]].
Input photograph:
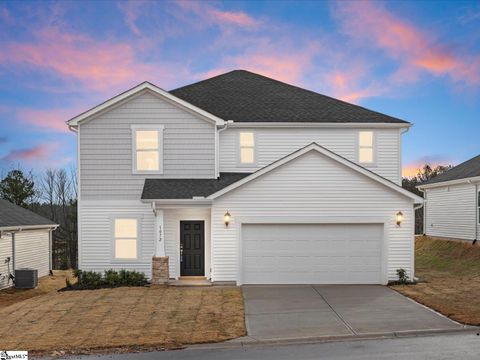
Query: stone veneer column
[[160, 272]]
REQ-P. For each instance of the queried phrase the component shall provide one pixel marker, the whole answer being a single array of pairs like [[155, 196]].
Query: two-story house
[[241, 178]]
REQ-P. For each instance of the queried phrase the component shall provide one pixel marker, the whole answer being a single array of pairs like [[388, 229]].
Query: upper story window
[[366, 153], [126, 238], [147, 144], [247, 148]]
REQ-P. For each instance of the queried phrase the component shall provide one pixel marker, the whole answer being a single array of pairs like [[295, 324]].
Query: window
[[147, 145], [365, 147], [126, 238], [247, 148]]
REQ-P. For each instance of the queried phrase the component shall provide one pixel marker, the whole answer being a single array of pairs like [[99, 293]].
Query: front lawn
[[46, 284], [449, 278], [124, 318]]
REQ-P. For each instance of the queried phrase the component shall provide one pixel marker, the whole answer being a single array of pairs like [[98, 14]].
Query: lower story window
[[126, 238]]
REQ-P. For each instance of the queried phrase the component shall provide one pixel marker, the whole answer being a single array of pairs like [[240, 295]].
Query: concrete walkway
[[279, 312]]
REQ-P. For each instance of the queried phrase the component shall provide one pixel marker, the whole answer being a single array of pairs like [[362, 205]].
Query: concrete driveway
[[275, 312]]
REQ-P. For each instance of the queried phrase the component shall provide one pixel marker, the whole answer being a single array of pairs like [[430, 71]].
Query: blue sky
[[419, 61]]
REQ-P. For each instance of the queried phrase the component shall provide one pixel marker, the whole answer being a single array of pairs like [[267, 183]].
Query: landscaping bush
[[90, 280]]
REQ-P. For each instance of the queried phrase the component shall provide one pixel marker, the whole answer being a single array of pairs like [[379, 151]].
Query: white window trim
[[113, 241], [478, 206], [134, 129], [239, 153], [374, 148]]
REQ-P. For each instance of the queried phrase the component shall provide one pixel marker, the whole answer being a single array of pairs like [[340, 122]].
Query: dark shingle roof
[[467, 169], [243, 96], [12, 215], [187, 188]]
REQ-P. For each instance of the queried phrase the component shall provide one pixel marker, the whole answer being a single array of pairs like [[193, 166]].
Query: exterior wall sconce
[[226, 218], [399, 218]]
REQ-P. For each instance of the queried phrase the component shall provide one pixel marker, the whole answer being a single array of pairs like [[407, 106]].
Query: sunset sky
[[418, 61]]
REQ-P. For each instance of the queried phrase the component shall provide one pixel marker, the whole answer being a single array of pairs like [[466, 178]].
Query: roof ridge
[[264, 77]]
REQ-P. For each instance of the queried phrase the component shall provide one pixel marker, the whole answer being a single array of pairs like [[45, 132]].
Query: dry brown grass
[[46, 284], [449, 273], [125, 318]]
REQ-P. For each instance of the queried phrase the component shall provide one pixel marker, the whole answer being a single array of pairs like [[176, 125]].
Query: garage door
[[312, 253]]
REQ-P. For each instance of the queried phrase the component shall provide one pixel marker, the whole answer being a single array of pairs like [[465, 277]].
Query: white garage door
[[312, 253]]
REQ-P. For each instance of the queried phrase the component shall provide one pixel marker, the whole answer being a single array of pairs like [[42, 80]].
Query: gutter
[[28, 227]]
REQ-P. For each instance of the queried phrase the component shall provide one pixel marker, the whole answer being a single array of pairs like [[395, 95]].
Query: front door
[[192, 248]]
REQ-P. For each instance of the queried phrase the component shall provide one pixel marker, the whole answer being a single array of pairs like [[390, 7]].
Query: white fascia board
[[193, 201], [73, 122], [319, 125], [451, 182], [28, 227], [328, 153]]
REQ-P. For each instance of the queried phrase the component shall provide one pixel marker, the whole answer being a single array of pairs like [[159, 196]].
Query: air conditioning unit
[[26, 278]]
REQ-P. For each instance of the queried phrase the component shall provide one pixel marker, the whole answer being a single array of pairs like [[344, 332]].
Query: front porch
[[183, 245]]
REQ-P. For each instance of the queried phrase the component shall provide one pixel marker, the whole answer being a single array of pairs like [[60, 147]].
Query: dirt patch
[[46, 284], [449, 278], [122, 318]]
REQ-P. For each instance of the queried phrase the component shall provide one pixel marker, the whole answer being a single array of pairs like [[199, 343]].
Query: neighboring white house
[[241, 178], [452, 202], [25, 241]]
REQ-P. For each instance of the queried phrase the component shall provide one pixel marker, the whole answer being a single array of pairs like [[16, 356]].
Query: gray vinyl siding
[[31, 251], [451, 211], [96, 235], [311, 186], [106, 147], [274, 143]]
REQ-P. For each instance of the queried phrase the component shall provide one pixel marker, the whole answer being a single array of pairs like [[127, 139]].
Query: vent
[[26, 278]]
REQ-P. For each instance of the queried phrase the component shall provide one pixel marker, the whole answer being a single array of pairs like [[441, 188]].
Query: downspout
[[476, 204], [50, 255], [424, 211], [13, 253], [225, 126]]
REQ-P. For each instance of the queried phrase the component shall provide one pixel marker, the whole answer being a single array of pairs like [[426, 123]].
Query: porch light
[[399, 218], [226, 218]]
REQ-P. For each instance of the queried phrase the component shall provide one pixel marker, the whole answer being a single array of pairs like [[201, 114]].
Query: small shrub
[[402, 276], [89, 280]]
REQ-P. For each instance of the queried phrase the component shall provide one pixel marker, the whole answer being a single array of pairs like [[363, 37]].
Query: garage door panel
[[311, 253]]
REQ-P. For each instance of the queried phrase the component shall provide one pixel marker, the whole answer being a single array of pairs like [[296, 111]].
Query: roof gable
[[315, 147], [243, 96], [145, 86]]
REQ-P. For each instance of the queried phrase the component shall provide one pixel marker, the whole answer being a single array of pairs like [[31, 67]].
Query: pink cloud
[[217, 16], [132, 11], [97, 65], [49, 120], [37, 153], [417, 50]]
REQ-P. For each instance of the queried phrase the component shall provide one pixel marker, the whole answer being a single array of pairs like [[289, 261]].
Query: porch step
[[192, 278], [190, 282]]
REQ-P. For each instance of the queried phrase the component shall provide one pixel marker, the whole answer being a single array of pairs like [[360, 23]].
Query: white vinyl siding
[[451, 211], [274, 143], [171, 221], [96, 242], [106, 147], [5, 252], [31, 251], [312, 186]]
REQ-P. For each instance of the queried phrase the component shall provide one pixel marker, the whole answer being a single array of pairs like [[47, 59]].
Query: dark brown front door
[[192, 248]]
